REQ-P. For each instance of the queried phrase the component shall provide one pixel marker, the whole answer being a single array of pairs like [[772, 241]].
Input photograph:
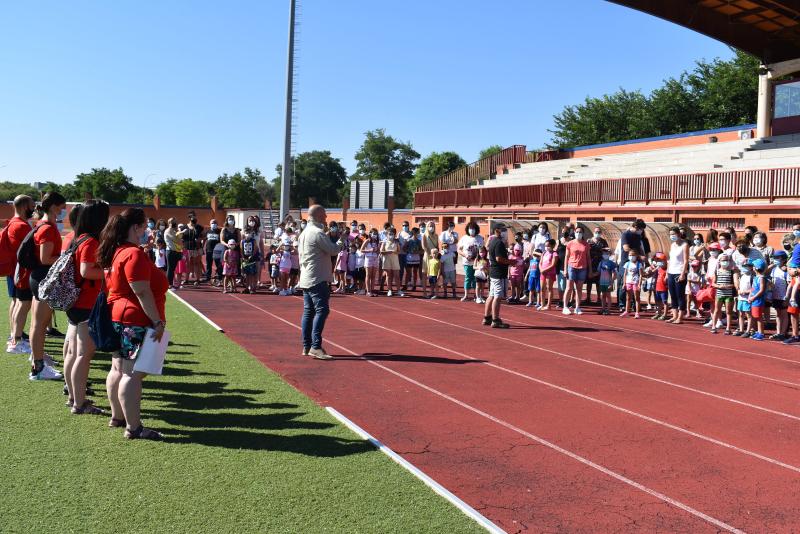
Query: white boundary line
[[206, 319], [411, 468], [603, 365], [537, 439], [589, 398]]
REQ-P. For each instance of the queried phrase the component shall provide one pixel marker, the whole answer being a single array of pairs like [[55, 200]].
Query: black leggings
[[677, 292], [173, 257]]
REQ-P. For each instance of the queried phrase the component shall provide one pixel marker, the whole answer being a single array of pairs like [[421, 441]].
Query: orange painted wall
[[655, 145]]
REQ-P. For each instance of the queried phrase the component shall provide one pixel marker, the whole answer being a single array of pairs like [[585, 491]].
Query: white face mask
[[472, 231], [578, 235], [597, 234], [542, 231], [714, 253], [757, 241], [723, 243]]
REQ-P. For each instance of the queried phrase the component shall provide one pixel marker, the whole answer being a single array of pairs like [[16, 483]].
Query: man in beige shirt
[[315, 249]]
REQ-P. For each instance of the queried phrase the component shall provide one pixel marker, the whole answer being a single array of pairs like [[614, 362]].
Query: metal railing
[[723, 186], [483, 169]]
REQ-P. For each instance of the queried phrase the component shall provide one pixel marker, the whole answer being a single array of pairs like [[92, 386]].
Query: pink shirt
[[517, 267], [548, 259], [578, 254]]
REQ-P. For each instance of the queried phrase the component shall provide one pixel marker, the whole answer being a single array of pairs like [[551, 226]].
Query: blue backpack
[[101, 328]]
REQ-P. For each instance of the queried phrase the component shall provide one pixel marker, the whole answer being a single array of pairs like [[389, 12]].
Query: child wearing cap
[[662, 291], [606, 273], [230, 267], [533, 279], [778, 277], [757, 298], [516, 269], [793, 310], [694, 279], [434, 268], [744, 287]]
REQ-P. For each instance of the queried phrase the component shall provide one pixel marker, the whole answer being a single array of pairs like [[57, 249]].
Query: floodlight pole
[[286, 173]]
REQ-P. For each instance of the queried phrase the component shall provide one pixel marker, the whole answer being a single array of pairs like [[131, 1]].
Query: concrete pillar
[[390, 209], [764, 114]]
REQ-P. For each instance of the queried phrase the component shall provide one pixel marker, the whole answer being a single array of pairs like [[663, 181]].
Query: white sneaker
[[720, 324], [401, 293], [22, 347], [566, 311], [47, 373], [578, 311], [388, 293], [649, 306], [708, 323]]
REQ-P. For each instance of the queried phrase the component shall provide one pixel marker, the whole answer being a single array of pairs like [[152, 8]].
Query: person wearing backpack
[[79, 347], [10, 240], [136, 295], [45, 248]]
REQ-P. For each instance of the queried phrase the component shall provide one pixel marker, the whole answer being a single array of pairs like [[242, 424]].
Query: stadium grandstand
[[735, 176]]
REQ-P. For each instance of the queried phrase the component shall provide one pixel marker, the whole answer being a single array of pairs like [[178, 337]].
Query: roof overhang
[[767, 29]]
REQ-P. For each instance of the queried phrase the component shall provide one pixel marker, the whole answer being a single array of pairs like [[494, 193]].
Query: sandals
[[143, 433], [87, 409], [116, 423]]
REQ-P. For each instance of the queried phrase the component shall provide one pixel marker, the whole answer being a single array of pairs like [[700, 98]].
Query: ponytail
[[48, 201], [116, 233]]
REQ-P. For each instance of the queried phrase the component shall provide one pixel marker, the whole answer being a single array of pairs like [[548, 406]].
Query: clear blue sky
[[195, 88]]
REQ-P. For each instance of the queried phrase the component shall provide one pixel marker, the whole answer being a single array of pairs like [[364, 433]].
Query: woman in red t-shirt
[[47, 243], [78, 345], [136, 294]]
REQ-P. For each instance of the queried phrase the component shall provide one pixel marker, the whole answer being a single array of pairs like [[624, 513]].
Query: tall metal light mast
[[287, 171]]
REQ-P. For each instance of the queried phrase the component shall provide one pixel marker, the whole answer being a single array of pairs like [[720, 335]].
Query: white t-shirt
[[161, 258], [448, 260], [780, 284], [752, 255], [451, 238], [464, 245], [539, 240], [359, 259], [676, 257], [403, 236]]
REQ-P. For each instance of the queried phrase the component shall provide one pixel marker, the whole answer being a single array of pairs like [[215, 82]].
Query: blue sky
[[196, 88]]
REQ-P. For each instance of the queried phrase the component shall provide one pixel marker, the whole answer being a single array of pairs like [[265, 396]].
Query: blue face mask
[[151, 225], [673, 238], [796, 233]]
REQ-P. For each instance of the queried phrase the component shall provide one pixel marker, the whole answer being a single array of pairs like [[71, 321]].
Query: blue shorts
[[742, 305], [534, 281], [577, 275], [662, 296]]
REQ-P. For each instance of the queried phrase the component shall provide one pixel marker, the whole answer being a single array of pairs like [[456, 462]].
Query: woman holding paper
[[136, 293]]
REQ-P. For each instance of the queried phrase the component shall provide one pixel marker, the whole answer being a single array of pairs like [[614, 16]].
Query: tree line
[[713, 94], [317, 174]]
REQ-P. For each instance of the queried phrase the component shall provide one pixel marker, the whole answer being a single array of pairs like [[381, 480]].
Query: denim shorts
[[576, 275]]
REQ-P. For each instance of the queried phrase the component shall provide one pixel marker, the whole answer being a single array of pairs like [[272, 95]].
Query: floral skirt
[[131, 338]]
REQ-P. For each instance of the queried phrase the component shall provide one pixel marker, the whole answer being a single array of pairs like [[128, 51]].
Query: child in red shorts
[[793, 295]]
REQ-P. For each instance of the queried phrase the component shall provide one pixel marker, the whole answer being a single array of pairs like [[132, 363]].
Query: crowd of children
[[734, 286]]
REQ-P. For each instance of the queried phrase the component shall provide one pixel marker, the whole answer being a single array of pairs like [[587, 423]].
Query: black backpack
[[26, 254]]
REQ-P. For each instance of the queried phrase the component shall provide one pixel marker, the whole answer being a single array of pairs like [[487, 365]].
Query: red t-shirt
[[86, 253], [18, 228], [578, 254], [661, 280], [131, 264], [67, 241], [48, 234]]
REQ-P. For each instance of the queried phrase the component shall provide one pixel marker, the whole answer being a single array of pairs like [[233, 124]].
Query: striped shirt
[[724, 278]]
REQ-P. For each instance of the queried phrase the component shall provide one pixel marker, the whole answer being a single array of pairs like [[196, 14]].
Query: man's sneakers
[[48, 360], [566, 311], [305, 351], [47, 373], [319, 354], [487, 320]]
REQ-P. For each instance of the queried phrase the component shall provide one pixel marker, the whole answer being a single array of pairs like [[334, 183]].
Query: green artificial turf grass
[[245, 452]]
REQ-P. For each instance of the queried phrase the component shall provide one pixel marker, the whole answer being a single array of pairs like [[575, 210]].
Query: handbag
[[705, 295]]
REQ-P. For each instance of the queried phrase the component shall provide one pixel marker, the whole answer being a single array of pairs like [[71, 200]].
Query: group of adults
[[108, 257]]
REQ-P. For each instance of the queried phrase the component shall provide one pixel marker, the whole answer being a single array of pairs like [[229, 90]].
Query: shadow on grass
[[200, 388], [254, 421], [388, 357], [318, 445]]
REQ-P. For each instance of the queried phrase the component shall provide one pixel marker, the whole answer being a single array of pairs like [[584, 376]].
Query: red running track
[[560, 423]]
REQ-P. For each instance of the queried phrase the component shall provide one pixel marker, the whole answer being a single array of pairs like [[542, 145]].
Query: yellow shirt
[[433, 266]]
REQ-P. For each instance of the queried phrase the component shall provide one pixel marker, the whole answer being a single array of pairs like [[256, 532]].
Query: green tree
[[490, 151], [433, 166], [8, 190], [166, 192], [714, 94], [382, 157], [109, 185], [241, 189], [316, 174], [190, 192]]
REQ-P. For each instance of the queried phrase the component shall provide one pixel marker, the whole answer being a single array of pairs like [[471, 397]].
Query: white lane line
[[603, 365], [206, 319], [411, 468], [537, 439], [586, 397], [795, 385], [673, 338]]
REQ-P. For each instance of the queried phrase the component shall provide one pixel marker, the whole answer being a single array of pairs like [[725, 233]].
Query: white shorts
[[497, 287]]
